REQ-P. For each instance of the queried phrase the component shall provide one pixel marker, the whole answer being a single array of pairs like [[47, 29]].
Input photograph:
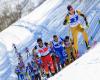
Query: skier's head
[[70, 9], [32, 62], [39, 41], [67, 38], [18, 64], [28, 64], [46, 44], [55, 37]]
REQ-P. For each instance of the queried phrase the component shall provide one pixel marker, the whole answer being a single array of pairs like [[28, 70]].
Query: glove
[[87, 25], [64, 23]]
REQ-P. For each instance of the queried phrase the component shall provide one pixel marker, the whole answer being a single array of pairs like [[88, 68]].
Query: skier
[[16, 50], [21, 63], [27, 51], [30, 71], [36, 70], [56, 61], [54, 57], [57, 45], [75, 26], [69, 49], [17, 71], [39, 63], [44, 52], [22, 73]]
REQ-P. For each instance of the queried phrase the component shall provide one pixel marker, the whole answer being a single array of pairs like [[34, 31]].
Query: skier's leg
[[40, 68], [45, 64], [57, 63], [73, 58], [36, 77], [63, 59], [54, 62], [18, 76], [68, 51], [51, 64], [60, 55], [85, 35], [22, 77], [75, 40], [33, 77], [39, 76]]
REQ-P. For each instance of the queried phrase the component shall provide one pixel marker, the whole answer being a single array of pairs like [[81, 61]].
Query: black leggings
[[37, 76]]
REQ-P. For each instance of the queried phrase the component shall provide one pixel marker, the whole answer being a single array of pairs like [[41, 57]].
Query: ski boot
[[87, 46]]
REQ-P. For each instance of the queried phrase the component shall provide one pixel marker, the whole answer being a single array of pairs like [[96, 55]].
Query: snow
[[44, 21], [5, 65], [85, 68], [42, 11], [14, 38]]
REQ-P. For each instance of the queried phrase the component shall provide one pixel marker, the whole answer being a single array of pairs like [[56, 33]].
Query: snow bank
[[5, 65]]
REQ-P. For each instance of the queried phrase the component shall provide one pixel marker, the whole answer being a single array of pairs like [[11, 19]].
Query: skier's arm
[[62, 41], [34, 49], [50, 44], [81, 14], [66, 21], [72, 43], [46, 44]]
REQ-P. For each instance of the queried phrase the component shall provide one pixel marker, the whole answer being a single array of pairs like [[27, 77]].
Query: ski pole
[[16, 50], [27, 51]]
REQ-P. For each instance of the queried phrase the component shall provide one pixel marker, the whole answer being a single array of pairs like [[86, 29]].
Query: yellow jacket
[[67, 18]]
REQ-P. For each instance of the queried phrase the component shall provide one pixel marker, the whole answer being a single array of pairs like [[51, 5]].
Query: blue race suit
[[59, 50]]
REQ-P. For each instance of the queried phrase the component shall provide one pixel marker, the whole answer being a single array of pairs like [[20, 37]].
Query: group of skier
[[27, 72], [55, 54], [47, 59], [50, 57]]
